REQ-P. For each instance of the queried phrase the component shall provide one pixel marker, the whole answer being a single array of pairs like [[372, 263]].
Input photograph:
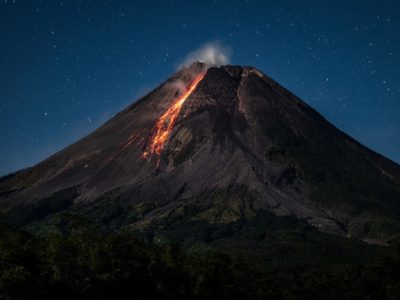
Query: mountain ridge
[[241, 144]]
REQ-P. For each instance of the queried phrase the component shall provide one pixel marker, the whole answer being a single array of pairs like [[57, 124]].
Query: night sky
[[68, 66]]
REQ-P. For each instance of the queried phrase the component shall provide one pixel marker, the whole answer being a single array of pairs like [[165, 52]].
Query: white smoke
[[210, 53], [179, 86]]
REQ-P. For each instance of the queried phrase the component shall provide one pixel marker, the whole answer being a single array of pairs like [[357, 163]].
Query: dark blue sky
[[67, 66]]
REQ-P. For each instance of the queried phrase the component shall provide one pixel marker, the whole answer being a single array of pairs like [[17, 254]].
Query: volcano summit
[[216, 146]]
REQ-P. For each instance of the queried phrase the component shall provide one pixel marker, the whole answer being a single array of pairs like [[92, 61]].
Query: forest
[[86, 264]]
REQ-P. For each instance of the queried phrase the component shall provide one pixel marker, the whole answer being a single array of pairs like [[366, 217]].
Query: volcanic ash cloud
[[210, 53]]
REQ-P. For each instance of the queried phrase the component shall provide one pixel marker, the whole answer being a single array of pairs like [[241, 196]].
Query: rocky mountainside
[[215, 145]]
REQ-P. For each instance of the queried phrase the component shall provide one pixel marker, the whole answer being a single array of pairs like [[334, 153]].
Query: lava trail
[[165, 124]]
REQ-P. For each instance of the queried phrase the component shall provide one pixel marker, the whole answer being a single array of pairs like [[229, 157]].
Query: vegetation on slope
[[343, 179], [87, 264]]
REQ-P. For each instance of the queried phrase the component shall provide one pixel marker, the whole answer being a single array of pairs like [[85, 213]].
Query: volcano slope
[[237, 148]]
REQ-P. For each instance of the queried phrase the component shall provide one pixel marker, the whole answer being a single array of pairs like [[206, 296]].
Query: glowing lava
[[164, 125]]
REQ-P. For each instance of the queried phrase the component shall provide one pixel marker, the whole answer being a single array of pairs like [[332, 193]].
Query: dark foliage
[[89, 265]]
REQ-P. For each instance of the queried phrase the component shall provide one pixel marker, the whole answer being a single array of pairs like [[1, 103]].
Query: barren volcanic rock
[[240, 144]]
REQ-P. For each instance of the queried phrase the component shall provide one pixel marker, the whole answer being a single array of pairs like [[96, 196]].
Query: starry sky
[[68, 66]]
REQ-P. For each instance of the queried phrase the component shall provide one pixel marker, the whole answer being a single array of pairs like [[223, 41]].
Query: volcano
[[217, 146]]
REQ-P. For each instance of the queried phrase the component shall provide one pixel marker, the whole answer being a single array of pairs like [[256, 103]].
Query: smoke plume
[[210, 53]]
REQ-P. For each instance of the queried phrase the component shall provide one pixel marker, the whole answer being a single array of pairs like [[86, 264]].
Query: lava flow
[[166, 122]]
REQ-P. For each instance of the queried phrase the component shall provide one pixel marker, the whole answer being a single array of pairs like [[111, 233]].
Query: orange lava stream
[[166, 122]]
